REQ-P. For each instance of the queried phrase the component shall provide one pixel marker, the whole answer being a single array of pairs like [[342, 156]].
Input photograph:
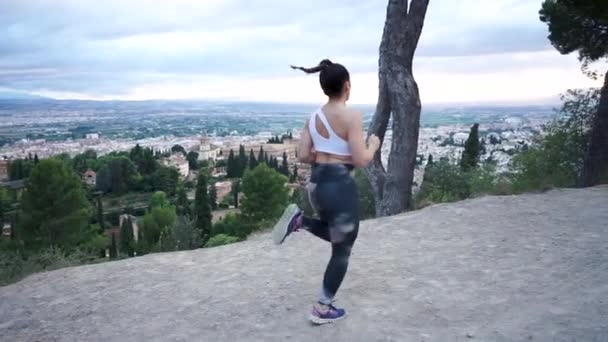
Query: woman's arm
[[361, 154], [306, 153]]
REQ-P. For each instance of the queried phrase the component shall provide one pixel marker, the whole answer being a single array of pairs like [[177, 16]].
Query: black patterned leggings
[[333, 194]]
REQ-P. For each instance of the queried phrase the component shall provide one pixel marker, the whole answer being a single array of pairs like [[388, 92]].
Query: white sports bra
[[332, 145]]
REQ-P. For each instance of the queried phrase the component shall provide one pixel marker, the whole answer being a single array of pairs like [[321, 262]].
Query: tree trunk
[[398, 95], [595, 168]]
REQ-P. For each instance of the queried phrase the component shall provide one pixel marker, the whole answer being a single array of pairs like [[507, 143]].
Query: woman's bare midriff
[[326, 158]]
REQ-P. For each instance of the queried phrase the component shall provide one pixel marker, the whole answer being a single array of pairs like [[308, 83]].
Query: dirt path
[[524, 268]]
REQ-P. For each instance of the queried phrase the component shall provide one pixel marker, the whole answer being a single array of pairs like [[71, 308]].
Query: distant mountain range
[[14, 95]]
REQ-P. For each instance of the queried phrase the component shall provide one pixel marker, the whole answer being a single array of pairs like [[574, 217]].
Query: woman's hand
[[373, 143]]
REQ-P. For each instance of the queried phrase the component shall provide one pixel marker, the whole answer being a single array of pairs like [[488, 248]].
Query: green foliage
[[14, 265], [165, 179], [233, 225], [213, 197], [144, 160], [84, 161], [117, 175], [556, 159], [113, 247], [275, 140], [4, 204], [252, 161], [179, 149], [220, 240], [367, 204], [127, 243], [444, 182], [266, 194], [202, 210], [20, 169], [186, 235], [192, 158], [159, 218], [235, 190], [577, 25], [55, 211], [284, 168], [232, 166], [183, 204], [294, 175], [472, 150], [100, 218]]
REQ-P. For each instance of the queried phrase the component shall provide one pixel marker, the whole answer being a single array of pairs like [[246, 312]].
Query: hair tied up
[[322, 65]]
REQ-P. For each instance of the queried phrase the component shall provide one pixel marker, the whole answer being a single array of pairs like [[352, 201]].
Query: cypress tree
[[202, 210], [252, 161], [472, 149], [113, 247], [213, 197]]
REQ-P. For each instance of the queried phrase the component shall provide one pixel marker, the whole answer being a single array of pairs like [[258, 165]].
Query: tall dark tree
[[213, 197], [192, 158], [284, 169], [127, 243], [399, 96], [202, 210], [182, 203], [232, 166], [55, 211], [100, 220], [236, 188], [113, 247], [266, 160], [36, 160], [242, 161], [294, 174], [582, 25], [261, 155], [252, 161], [178, 149], [472, 150], [430, 160]]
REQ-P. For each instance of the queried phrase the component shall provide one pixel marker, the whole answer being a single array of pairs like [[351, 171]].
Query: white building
[[92, 136], [207, 151], [179, 162]]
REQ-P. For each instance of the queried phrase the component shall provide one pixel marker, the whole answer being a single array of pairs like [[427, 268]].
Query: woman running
[[333, 142]]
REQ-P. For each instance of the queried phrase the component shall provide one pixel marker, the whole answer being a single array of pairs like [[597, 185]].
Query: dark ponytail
[[332, 78]]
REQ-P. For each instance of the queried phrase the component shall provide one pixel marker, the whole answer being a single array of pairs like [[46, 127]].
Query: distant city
[[49, 127]]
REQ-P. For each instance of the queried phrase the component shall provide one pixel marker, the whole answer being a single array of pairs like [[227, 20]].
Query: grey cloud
[[81, 41]]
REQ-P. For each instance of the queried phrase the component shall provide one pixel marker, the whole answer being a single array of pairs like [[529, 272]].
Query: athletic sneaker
[[323, 314], [290, 221]]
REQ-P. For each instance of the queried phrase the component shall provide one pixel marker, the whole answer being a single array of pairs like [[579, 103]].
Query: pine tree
[[54, 208], [290, 136], [470, 156], [266, 160], [202, 210], [36, 160], [430, 160], [252, 162], [113, 247], [126, 237], [213, 197]]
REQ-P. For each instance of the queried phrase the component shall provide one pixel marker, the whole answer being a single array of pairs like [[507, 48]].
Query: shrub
[[220, 240]]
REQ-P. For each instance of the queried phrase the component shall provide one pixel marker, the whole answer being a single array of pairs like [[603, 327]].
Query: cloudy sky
[[470, 51]]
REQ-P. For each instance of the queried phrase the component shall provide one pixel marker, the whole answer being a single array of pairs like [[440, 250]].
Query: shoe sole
[[320, 321], [279, 232]]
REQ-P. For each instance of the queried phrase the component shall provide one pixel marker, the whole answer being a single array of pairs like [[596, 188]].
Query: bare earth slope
[[531, 267]]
